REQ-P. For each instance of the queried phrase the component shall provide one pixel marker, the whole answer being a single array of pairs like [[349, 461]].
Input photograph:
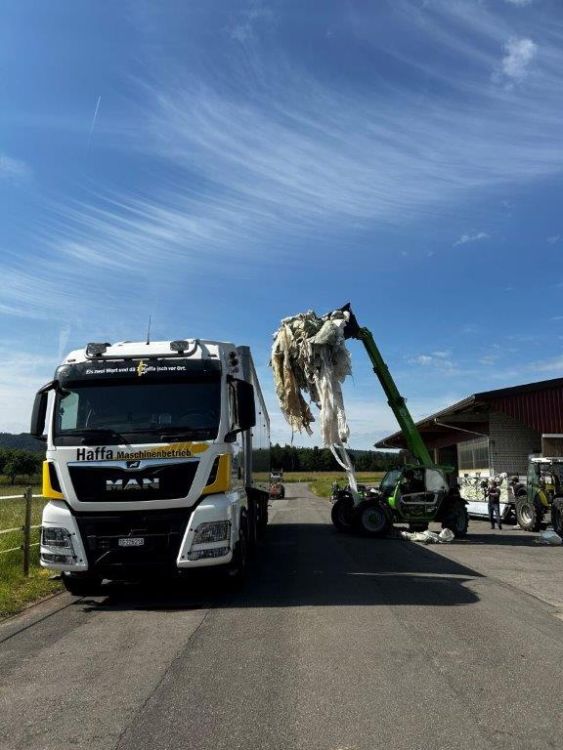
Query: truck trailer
[[153, 456]]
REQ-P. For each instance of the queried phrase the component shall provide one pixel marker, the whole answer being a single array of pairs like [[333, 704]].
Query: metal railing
[[26, 529]]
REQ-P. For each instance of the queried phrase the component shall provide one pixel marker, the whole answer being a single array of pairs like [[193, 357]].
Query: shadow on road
[[310, 565]]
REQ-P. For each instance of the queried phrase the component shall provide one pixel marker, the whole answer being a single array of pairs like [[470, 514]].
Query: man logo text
[[132, 484]]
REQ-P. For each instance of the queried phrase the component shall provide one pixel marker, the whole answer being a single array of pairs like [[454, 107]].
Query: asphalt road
[[335, 643]]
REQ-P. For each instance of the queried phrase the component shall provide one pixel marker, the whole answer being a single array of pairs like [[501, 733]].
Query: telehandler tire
[[528, 514], [557, 515], [342, 514], [457, 519], [372, 518]]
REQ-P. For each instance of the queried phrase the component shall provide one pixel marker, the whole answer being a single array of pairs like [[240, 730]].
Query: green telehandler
[[415, 494]]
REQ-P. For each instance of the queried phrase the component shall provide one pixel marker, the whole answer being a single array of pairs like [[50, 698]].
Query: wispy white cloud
[[465, 238], [249, 20], [519, 55], [279, 157], [13, 169], [519, 2], [554, 239], [437, 360]]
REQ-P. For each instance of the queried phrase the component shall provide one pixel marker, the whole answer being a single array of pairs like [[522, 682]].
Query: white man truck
[[153, 450]]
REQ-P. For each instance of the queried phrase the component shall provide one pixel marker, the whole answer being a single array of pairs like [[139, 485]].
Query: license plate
[[131, 541]]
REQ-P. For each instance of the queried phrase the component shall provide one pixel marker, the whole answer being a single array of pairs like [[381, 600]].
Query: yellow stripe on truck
[[222, 481], [48, 490]]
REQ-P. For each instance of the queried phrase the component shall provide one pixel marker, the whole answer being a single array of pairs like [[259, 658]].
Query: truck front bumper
[[129, 543]]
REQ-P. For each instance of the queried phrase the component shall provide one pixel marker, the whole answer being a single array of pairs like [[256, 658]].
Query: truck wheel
[[557, 516], [528, 514], [236, 572], [342, 514], [456, 519], [372, 519], [262, 516], [82, 584]]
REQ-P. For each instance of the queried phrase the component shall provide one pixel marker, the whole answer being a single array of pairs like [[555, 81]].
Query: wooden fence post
[[27, 529]]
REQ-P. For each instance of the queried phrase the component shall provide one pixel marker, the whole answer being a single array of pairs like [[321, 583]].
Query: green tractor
[[544, 495], [415, 494]]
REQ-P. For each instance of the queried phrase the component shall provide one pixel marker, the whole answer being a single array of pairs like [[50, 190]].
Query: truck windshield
[[104, 412]]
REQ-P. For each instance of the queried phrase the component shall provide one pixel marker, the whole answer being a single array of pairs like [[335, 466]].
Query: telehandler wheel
[[456, 519], [82, 584], [557, 515], [372, 518], [342, 514], [528, 514]]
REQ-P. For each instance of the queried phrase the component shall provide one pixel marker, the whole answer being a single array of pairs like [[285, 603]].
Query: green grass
[[16, 590], [320, 482]]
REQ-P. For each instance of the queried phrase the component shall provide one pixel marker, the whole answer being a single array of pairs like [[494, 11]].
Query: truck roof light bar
[[183, 347], [96, 350]]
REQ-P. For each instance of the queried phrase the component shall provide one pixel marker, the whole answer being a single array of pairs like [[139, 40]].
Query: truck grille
[[161, 531], [113, 484]]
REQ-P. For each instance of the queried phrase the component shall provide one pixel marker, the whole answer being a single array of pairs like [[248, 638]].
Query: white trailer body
[[152, 455]]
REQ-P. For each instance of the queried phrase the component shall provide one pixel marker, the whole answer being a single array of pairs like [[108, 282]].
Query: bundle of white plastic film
[[309, 357]]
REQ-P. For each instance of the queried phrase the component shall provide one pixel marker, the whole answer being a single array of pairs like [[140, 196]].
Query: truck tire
[[528, 514], [557, 516], [342, 514], [262, 516], [236, 571], [82, 584], [372, 518], [456, 519]]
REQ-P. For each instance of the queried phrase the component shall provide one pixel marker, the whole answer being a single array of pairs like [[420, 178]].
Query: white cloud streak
[[13, 169], [519, 55], [283, 158], [465, 238]]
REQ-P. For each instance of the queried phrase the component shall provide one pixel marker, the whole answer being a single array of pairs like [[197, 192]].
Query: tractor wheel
[[557, 515], [528, 514], [372, 518], [342, 514], [456, 519]]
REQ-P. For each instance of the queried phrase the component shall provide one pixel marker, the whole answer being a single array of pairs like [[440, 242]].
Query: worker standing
[[493, 497]]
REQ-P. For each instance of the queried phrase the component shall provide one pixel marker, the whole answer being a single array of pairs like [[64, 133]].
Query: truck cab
[[150, 463]]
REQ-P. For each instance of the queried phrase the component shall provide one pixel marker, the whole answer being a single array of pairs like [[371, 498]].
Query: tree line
[[15, 462], [290, 458]]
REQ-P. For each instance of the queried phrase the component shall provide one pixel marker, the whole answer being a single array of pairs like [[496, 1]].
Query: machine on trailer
[[415, 494]]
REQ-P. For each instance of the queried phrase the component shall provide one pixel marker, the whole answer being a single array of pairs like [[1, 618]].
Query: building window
[[473, 454]]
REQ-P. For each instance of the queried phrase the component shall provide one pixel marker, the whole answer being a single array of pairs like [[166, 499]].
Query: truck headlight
[[54, 536], [212, 531]]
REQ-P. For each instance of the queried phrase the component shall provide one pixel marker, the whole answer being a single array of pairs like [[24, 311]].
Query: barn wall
[[511, 444]]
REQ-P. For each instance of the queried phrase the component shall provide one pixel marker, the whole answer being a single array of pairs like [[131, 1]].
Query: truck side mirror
[[244, 416], [40, 410]]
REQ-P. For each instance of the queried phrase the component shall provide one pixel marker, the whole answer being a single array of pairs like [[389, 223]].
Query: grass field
[[321, 482], [15, 589]]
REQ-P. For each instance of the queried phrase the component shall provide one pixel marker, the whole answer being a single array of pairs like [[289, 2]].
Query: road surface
[[335, 643]]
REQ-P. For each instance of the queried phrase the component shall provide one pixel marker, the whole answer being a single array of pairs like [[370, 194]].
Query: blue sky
[[220, 165]]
